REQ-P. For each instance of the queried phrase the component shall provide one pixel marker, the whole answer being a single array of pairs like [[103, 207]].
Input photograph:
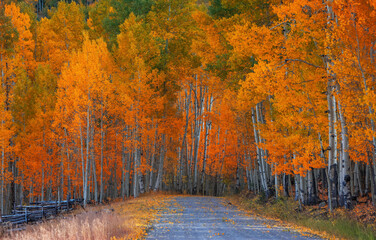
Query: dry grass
[[140, 212], [128, 219], [339, 224]]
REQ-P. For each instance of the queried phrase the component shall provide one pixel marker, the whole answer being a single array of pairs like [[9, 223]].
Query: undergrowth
[[127, 219], [340, 223]]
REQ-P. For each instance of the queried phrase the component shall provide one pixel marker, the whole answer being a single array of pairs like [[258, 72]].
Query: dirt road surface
[[215, 218]]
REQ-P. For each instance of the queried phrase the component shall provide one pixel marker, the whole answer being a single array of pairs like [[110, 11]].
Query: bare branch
[[299, 60], [278, 25]]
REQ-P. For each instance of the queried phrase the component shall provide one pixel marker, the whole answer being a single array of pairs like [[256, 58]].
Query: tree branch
[[278, 25], [299, 60]]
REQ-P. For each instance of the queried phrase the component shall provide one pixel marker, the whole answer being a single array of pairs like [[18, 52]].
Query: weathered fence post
[[26, 214], [37, 211], [68, 201]]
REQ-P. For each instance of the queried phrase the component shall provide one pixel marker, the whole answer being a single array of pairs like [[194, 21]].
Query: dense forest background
[[107, 99]]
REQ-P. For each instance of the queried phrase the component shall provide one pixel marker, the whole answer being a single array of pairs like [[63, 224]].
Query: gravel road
[[209, 217]]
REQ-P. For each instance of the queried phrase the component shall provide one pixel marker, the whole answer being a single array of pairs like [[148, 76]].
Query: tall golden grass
[[85, 226], [129, 219]]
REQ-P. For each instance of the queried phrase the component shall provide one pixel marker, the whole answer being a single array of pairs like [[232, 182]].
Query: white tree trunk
[[259, 155], [345, 195], [158, 182]]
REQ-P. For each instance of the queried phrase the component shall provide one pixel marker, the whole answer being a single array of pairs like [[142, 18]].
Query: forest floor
[[129, 219], [358, 223], [171, 216]]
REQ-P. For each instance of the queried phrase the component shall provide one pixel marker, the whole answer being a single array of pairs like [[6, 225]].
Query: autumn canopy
[[106, 99]]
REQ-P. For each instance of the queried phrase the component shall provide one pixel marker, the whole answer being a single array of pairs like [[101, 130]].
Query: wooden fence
[[37, 211]]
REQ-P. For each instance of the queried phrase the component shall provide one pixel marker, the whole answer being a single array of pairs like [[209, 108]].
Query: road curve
[[210, 217]]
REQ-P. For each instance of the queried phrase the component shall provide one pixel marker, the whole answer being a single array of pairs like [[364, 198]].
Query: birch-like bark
[[153, 158], [259, 154], [101, 176], [197, 133], [2, 150], [312, 197], [61, 188], [345, 194], [86, 185], [127, 174], [222, 157], [256, 179], [373, 182], [370, 109], [264, 153], [42, 165], [332, 159], [93, 162], [249, 179], [302, 193], [297, 186], [190, 162], [3, 147], [209, 105], [140, 175], [183, 153], [276, 183], [332, 149], [123, 165], [367, 180], [135, 167], [84, 182], [158, 182], [68, 163]]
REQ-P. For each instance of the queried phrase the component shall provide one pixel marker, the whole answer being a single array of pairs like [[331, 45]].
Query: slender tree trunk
[[94, 165], [61, 186], [276, 183], [373, 182], [135, 169], [197, 133], [2, 178], [158, 182], [3, 143], [312, 197], [345, 195], [183, 153], [302, 193], [123, 167], [101, 177], [358, 184], [249, 179], [86, 185], [84, 182], [140, 175], [296, 183], [153, 158], [127, 175], [207, 128], [367, 180], [332, 159], [286, 179], [259, 154]]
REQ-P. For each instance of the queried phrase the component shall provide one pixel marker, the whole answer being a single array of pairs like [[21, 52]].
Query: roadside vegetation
[[129, 219], [132, 218], [339, 224]]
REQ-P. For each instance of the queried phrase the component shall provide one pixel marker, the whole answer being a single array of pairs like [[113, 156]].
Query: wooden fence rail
[[37, 211]]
